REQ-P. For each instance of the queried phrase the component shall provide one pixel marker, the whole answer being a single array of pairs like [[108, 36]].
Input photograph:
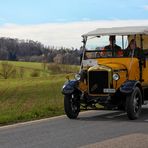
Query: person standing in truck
[[114, 49], [132, 50]]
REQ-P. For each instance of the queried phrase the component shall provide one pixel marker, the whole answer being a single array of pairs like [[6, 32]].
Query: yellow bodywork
[[127, 68], [145, 74], [145, 46]]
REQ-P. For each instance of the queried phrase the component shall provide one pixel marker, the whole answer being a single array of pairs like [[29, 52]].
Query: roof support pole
[[83, 51], [141, 42], [122, 42], [135, 38]]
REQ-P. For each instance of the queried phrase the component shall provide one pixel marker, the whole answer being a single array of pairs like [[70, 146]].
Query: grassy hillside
[[30, 97]]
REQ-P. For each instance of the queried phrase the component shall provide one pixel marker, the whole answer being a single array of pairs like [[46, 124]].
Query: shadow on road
[[113, 116]]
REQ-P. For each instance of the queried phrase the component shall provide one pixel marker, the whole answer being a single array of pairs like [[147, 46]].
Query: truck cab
[[114, 79]]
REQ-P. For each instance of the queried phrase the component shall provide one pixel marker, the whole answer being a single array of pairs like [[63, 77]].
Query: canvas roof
[[132, 30]]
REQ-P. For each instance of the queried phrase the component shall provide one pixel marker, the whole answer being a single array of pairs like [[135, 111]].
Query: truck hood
[[118, 64]]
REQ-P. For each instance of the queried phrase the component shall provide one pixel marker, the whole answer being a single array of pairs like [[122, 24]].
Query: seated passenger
[[112, 46], [132, 50]]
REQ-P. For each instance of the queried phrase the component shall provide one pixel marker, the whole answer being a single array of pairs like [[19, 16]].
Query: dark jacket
[[109, 47], [115, 49], [136, 53]]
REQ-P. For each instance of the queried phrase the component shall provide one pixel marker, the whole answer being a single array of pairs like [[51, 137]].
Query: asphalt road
[[103, 129]]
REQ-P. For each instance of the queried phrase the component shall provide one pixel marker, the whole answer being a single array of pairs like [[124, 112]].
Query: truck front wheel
[[71, 106], [134, 104]]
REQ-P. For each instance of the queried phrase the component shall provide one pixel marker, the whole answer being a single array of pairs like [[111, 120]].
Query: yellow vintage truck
[[115, 81]]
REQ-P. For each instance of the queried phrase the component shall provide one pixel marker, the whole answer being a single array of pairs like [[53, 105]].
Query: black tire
[[71, 106], [134, 104]]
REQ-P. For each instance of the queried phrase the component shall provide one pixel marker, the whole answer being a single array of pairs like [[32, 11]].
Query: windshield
[[93, 54], [106, 46], [100, 42]]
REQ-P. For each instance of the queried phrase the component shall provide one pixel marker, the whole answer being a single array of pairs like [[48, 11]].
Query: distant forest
[[33, 51]]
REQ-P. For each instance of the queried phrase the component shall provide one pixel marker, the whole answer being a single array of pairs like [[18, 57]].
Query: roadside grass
[[26, 69], [60, 68], [29, 98], [31, 65], [32, 69]]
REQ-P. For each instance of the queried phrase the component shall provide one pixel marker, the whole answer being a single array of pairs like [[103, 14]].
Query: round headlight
[[63, 86], [77, 77], [116, 76]]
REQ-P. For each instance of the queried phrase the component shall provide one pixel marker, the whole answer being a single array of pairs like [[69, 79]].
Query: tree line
[[34, 51]]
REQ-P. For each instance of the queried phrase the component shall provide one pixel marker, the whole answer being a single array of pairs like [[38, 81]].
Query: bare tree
[[6, 70]]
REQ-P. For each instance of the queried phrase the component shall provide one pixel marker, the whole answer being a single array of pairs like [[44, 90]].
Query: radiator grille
[[98, 80]]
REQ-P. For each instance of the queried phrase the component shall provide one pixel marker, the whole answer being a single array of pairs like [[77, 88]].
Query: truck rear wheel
[[71, 106], [134, 104]]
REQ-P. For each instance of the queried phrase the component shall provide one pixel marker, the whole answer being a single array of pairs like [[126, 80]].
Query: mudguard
[[69, 87], [128, 86]]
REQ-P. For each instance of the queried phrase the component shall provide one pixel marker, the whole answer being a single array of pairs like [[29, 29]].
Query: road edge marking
[[36, 121], [30, 122]]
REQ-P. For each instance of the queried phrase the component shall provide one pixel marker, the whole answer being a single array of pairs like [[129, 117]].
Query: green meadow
[[33, 91]]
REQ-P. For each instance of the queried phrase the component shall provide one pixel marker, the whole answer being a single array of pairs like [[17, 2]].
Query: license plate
[[109, 90]]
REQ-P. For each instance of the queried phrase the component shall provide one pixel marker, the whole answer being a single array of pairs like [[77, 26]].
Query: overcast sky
[[62, 22]]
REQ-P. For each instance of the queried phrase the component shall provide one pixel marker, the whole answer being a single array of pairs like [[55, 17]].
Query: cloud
[[62, 34], [86, 19], [61, 20]]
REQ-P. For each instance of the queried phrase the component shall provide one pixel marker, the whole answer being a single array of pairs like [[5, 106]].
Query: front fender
[[128, 86], [69, 87]]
